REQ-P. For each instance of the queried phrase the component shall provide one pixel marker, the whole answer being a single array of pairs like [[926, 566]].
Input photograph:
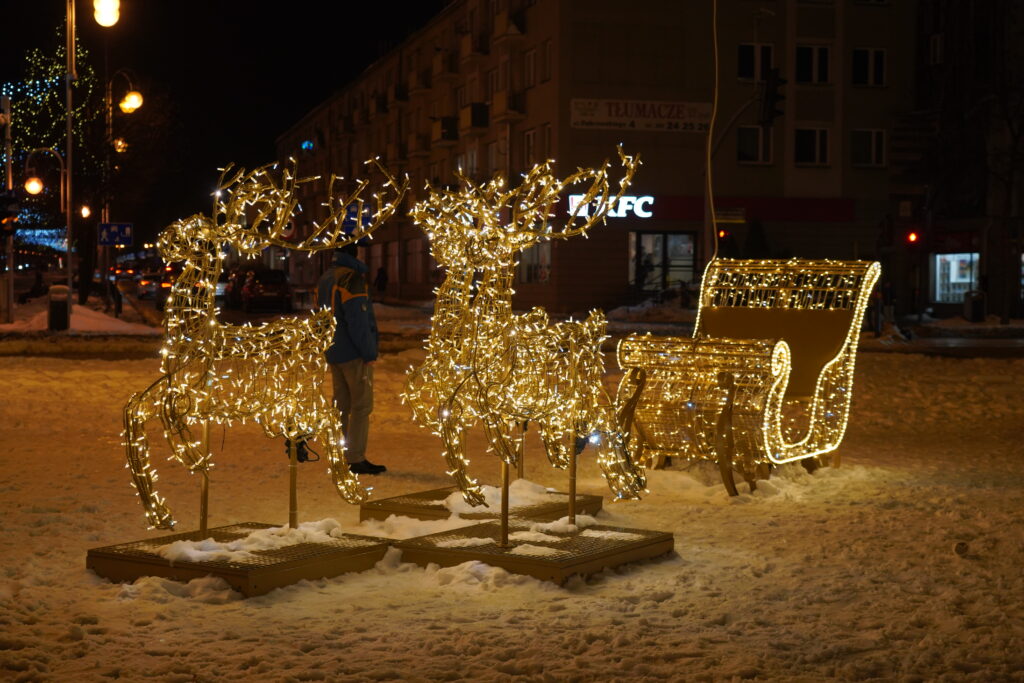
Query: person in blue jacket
[[344, 288]]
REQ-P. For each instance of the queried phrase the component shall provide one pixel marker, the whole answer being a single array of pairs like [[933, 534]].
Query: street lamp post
[[66, 171], [128, 104]]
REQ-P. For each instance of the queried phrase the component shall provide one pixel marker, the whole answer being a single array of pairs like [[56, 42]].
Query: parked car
[[163, 290], [149, 283], [267, 289]]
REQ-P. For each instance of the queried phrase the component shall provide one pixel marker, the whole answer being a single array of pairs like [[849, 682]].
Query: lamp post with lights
[[128, 104]]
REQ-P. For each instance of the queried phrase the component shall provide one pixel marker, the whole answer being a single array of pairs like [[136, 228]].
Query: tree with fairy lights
[[39, 116]]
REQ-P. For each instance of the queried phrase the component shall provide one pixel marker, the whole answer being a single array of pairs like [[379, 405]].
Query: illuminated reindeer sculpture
[[271, 373], [485, 364]]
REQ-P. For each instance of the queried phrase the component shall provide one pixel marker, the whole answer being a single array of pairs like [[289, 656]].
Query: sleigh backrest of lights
[[786, 331], [270, 373], [487, 365]]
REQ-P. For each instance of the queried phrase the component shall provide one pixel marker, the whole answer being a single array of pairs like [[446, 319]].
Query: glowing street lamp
[[106, 12], [131, 101], [86, 211], [34, 185]]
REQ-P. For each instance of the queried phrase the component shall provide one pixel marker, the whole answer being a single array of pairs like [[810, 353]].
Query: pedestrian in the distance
[[345, 289], [380, 283]]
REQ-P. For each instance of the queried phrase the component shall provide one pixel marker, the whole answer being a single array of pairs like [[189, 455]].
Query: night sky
[[228, 78]]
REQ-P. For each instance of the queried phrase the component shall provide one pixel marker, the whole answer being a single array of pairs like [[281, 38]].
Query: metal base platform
[[584, 552], [430, 505], [261, 573]]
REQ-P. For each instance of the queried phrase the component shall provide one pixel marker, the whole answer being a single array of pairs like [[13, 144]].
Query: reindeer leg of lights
[[142, 407]]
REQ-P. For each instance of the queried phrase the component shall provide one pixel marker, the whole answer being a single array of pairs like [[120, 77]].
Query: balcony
[[378, 106], [418, 145], [398, 94], [442, 67], [471, 48], [394, 153], [419, 82], [444, 132], [509, 29], [473, 119], [507, 106], [346, 126]]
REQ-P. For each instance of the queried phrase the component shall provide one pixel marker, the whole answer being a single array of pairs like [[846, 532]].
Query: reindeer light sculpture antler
[[270, 373], [485, 364]]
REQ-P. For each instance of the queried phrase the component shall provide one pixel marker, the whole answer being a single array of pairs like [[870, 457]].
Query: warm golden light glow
[[106, 12], [131, 101], [269, 373], [86, 211], [120, 145], [34, 185], [487, 365], [785, 332]]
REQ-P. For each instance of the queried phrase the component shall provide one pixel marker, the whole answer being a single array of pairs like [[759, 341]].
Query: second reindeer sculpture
[[487, 365], [270, 373]]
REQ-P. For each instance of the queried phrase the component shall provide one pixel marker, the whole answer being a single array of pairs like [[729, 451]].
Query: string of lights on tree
[[39, 111], [485, 364], [270, 373]]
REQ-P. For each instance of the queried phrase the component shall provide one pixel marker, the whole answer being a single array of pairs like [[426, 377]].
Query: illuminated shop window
[[660, 260], [953, 275]]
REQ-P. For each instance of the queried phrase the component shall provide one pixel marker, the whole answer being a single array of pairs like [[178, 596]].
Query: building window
[[471, 167], [754, 61], [659, 261], [812, 64], [753, 145], [530, 69], [867, 147], [414, 260], [529, 148], [460, 96], [953, 275], [868, 66], [492, 158], [492, 83], [811, 146], [535, 264], [548, 63]]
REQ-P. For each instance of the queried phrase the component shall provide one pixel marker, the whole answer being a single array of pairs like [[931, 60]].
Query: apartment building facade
[[495, 86]]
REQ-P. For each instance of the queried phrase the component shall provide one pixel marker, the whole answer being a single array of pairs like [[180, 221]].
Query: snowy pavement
[[903, 564]]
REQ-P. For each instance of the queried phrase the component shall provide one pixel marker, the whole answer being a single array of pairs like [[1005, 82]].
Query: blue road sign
[[113, 234]]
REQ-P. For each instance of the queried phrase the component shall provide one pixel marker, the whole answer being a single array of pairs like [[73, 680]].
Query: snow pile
[[84, 320], [521, 493], [901, 564], [399, 527]]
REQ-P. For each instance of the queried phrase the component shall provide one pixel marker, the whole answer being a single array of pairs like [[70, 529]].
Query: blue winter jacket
[[345, 290]]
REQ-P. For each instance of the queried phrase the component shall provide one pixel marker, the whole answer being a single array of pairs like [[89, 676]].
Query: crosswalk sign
[[113, 234]]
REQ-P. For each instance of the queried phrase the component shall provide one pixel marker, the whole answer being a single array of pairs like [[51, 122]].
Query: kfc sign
[[640, 207]]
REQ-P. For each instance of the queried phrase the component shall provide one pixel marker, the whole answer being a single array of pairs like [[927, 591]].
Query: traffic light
[[771, 98], [9, 208]]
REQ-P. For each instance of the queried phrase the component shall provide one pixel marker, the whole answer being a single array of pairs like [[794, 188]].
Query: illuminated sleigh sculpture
[[767, 377], [270, 373], [485, 364]]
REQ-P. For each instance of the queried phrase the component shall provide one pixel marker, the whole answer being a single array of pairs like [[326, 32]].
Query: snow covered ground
[[903, 564]]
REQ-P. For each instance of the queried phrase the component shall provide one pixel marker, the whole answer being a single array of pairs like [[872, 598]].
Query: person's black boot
[[366, 467]]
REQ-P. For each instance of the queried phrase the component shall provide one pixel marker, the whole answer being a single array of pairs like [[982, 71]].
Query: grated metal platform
[[430, 505], [264, 571], [584, 552]]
